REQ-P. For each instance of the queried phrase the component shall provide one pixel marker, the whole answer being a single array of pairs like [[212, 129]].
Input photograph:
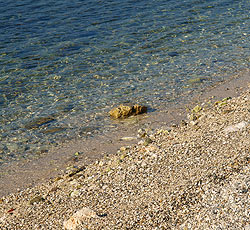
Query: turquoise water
[[64, 64]]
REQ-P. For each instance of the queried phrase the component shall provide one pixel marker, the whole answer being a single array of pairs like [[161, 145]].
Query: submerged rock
[[35, 124], [53, 130], [138, 109], [197, 80], [124, 111], [173, 54], [12, 147]]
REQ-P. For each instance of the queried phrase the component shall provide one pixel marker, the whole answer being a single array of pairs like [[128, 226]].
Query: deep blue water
[[64, 64]]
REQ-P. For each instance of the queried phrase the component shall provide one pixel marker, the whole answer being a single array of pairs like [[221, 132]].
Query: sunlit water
[[64, 64]]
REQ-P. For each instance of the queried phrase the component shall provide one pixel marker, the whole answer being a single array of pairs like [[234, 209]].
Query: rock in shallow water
[[124, 111], [197, 80], [53, 130], [173, 54], [12, 147], [36, 123]]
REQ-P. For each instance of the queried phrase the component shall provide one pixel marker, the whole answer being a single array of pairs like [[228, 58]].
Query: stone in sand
[[78, 218], [36, 199], [236, 127]]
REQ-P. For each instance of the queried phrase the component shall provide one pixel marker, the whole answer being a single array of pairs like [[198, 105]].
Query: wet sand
[[16, 176]]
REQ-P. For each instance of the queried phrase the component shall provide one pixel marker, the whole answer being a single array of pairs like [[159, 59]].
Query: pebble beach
[[173, 154], [194, 175]]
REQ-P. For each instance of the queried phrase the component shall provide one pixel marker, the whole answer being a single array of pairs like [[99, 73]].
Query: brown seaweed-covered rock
[[124, 111], [138, 109]]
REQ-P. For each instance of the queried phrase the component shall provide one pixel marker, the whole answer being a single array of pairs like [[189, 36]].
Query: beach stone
[[2, 219], [78, 217], [236, 127], [123, 148], [247, 227], [122, 157], [124, 111], [75, 193], [142, 133], [101, 163], [36, 199], [193, 117], [147, 141], [196, 109], [128, 138]]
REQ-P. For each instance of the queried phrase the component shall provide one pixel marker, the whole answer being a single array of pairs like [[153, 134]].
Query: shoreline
[[194, 175], [16, 176]]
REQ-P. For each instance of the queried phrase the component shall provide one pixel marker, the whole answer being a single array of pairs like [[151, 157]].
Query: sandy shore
[[16, 176], [191, 176]]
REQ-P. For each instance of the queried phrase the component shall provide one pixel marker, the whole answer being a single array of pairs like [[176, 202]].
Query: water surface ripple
[[64, 64]]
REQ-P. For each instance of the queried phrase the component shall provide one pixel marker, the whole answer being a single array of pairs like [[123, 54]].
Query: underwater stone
[[122, 111], [173, 54], [138, 109], [53, 130], [12, 147], [35, 124], [197, 80]]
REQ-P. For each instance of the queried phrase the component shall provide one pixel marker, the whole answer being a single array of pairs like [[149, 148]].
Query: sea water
[[65, 64]]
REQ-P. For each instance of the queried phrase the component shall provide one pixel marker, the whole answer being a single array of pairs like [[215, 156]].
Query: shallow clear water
[[64, 64]]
